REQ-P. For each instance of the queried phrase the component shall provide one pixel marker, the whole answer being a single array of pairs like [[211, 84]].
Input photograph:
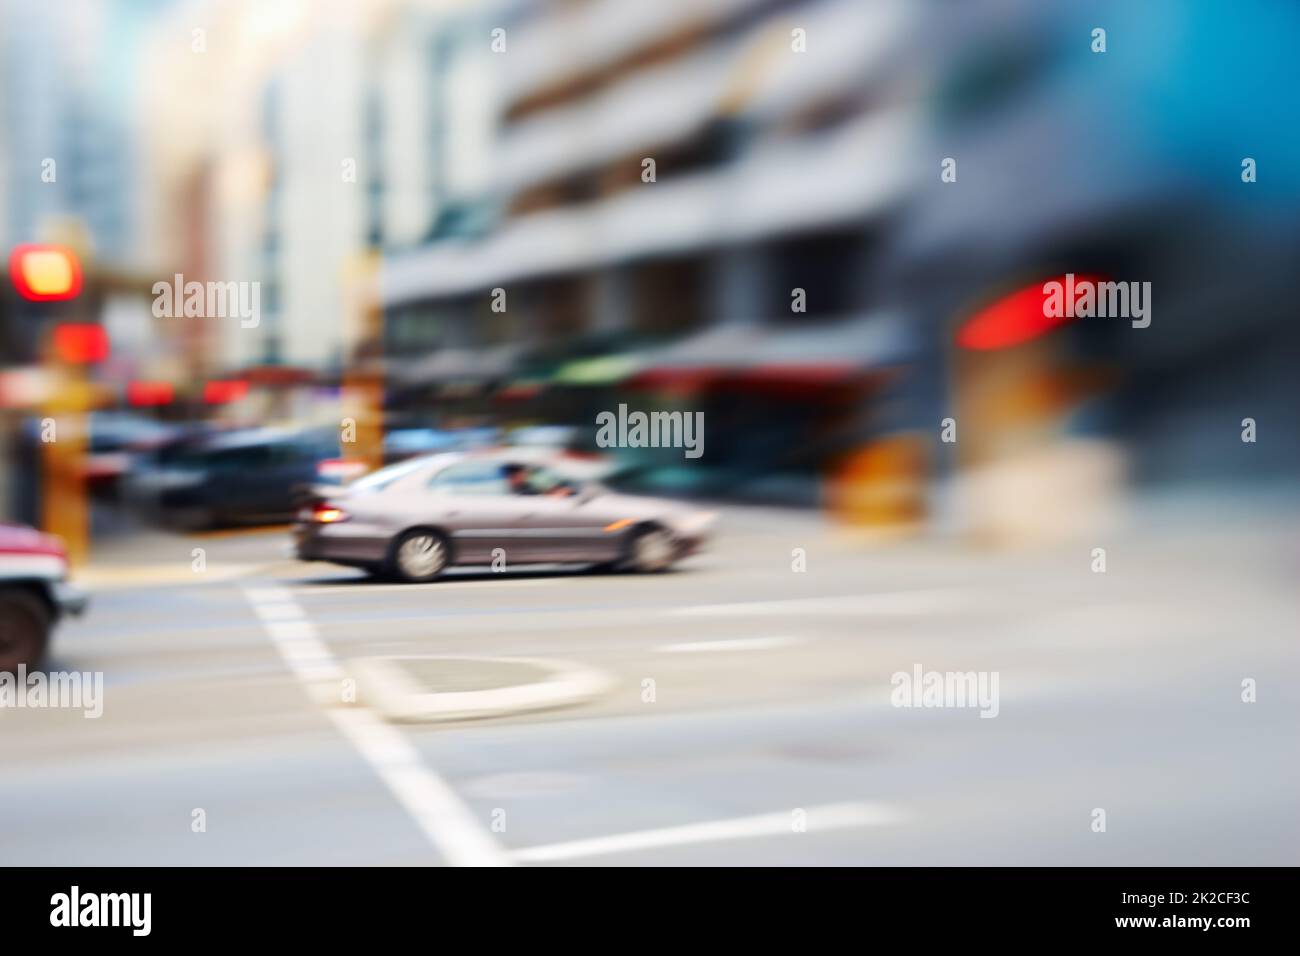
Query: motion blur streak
[[820, 229]]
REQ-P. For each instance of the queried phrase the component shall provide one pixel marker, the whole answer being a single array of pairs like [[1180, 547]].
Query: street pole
[[362, 433]]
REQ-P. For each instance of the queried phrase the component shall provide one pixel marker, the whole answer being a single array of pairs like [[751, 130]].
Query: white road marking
[[829, 817], [280, 611], [900, 603], [444, 818], [304, 652], [738, 644], [361, 588], [268, 595]]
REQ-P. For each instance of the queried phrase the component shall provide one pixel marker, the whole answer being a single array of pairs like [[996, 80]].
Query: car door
[[237, 480], [292, 463], [471, 500], [563, 527]]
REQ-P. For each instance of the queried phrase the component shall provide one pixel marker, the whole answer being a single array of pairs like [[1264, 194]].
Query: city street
[[749, 720]]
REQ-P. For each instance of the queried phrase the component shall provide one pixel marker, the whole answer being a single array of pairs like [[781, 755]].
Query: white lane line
[[280, 611], [305, 653], [362, 588], [268, 595], [900, 603], [738, 644], [444, 818], [829, 817]]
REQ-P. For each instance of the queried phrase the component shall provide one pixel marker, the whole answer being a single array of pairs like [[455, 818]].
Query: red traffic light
[[43, 273], [80, 343]]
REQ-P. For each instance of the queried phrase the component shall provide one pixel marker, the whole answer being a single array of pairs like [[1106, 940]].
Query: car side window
[[535, 480], [240, 460], [470, 478], [543, 482]]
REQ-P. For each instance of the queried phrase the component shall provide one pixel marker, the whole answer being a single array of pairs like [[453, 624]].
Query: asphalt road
[[770, 736]]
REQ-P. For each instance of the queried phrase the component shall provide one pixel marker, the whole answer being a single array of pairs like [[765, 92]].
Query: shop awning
[[457, 365], [600, 370], [863, 342]]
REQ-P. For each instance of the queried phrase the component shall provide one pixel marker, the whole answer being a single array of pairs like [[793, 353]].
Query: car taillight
[[325, 513]]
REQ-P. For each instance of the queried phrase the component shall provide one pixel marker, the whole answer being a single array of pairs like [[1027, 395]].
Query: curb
[[107, 577], [393, 693]]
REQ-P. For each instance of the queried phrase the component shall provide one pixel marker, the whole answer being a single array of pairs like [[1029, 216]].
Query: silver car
[[500, 507]]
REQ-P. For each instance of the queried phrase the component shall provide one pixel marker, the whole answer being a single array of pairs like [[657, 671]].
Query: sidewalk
[[152, 556]]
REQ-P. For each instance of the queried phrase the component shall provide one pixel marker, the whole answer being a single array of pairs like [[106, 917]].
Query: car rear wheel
[[420, 556], [24, 629], [193, 519], [652, 550]]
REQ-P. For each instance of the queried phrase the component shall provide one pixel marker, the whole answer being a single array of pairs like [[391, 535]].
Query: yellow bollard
[[881, 485]]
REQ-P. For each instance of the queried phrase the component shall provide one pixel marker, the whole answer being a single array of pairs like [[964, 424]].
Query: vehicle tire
[[651, 550], [419, 556], [25, 622]]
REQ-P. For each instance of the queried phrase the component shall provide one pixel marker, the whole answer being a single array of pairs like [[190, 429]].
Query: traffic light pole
[[65, 510]]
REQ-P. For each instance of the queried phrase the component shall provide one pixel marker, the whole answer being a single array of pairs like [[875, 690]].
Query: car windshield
[[381, 479]]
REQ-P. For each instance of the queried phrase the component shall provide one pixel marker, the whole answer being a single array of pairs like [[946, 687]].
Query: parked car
[[415, 519], [34, 594], [116, 439], [241, 477]]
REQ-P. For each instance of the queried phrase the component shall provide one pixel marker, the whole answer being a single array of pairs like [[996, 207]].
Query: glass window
[[534, 480], [381, 479], [248, 458], [470, 478]]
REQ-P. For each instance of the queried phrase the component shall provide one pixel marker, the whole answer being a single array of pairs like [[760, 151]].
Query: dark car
[[34, 594], [240, 477]]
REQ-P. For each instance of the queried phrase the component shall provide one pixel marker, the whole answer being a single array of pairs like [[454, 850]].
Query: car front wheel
[[652, 550], [24, 629]]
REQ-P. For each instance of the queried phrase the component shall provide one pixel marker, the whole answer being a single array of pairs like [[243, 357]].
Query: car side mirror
[[586, 493]]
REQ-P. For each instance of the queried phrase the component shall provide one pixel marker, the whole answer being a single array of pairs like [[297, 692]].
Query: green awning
[[601, 370]]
